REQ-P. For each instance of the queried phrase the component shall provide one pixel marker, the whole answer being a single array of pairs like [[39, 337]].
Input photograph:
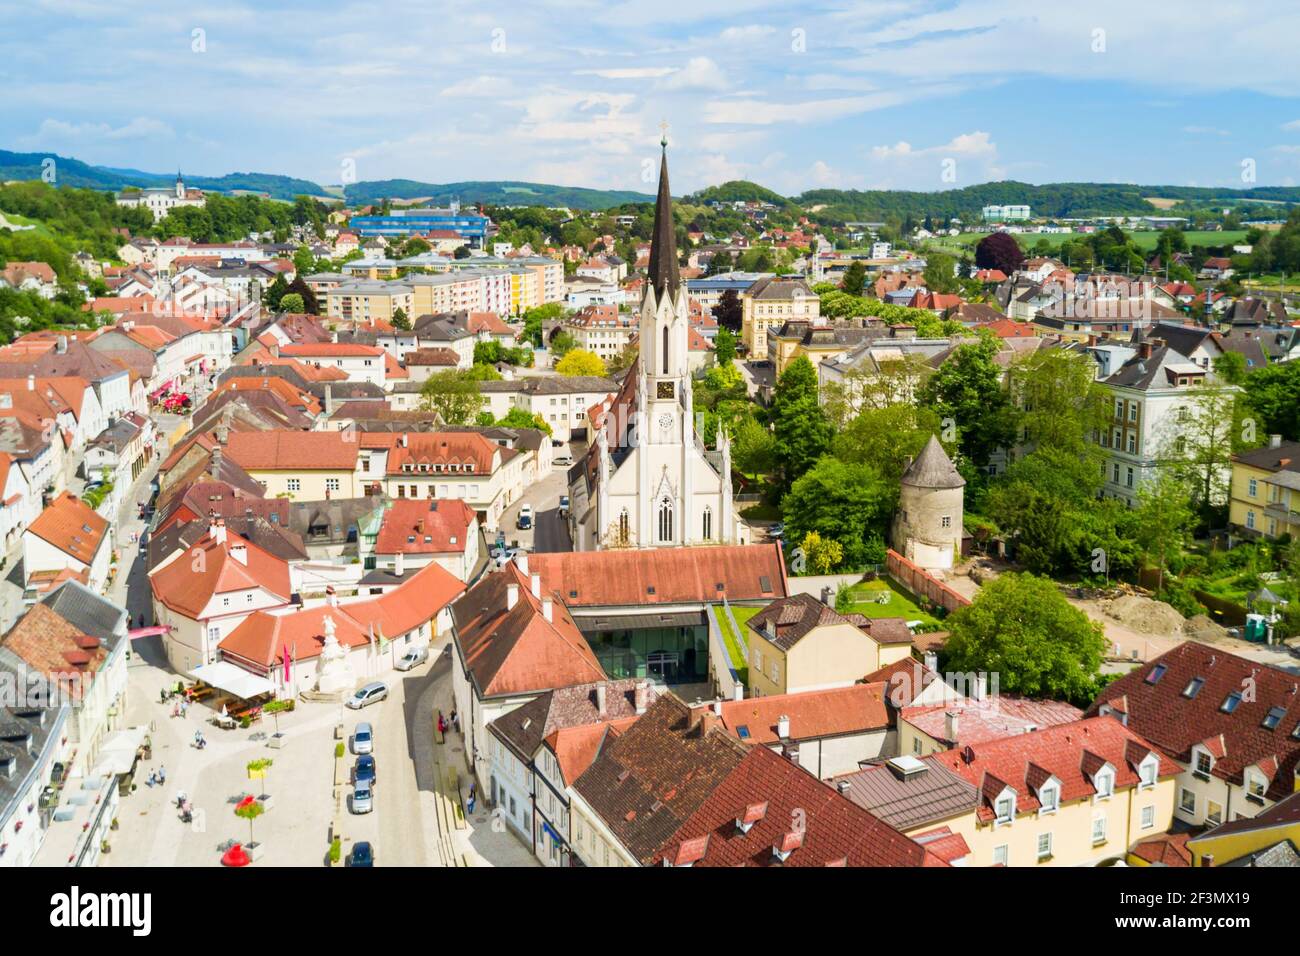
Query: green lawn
[[866, 596], [736, 645]]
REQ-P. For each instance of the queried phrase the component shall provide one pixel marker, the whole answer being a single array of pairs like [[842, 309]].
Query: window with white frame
[[1049, 798], [1148, 817], [1006, 809], [1044, 847], [1204, 764], [1256, 786], [1099, 829], [1148, 769], [1001, 854], [1105, 783], [1187, 801]]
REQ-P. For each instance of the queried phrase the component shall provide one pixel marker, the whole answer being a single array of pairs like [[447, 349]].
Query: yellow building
[[1073, 795], [525, 289], [367, 301], [1264, 498], [799, 644], [1270, 839], [304, 466], [769, 302]]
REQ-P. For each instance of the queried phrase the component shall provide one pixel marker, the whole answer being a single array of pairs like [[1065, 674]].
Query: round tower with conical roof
[[928, 526]]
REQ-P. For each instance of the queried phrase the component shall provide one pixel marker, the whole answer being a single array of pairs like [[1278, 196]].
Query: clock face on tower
[[665, 390], [666, 422]]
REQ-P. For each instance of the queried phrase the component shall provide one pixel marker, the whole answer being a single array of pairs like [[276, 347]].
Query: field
[[868, 595], [1143, 240]]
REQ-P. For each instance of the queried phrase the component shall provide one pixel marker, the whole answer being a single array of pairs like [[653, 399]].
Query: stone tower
[[928, 526]]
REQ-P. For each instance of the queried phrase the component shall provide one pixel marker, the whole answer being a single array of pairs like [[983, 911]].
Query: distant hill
[[73, 172], [492, 193], [737, 190]]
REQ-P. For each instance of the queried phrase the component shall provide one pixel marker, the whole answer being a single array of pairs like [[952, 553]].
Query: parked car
[[503, 558], [777, 530], [564, 504], [413, 658], [365, 696], [363, 739], [363, 854], [562, 461], [362, 798], [363, 771], [525, 519]]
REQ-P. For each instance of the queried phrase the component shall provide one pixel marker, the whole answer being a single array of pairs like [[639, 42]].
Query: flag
[[288, 671]]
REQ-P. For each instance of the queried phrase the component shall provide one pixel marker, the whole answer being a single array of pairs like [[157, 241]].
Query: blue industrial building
[[467, 223]]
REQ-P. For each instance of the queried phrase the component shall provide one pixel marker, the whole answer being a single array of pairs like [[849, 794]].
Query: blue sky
[[849, 94]]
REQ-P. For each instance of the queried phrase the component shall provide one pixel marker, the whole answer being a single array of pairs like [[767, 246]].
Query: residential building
[[68, 535], [770, 302], [1264, 496]]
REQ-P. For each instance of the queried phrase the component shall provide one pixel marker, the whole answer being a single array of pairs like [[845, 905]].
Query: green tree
[[581, 362], [1231, 367], [562, 343], [454, 394], [967, 392], [846, 502], [800, 427], [292, 302], [1021, 628], [822, 554], [855, 276], [724, 347], [275, 292], [753, 448], [1162, 521], [519, 418], [400, 320], [304, 263], [940, 273], [1273, 393]]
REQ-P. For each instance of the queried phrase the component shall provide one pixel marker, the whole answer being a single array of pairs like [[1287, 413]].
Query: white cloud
[[140, 128], [629, 72], [1294, 124], [700, 73], [477, 86]]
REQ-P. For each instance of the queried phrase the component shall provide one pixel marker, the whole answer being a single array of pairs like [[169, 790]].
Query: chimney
[[738, 692], [537, 585], [1207, 860], [399, 564], [1274, 441], [61, 344], [981, 686], [1144, 350], [783, 727], [931, 661], [601, 692], [331, 598], [548, 611], [403, 440], [216, 462], [828, 597], [950, 726], [717, 707], [843, 787], [217, 528], [31, 383], [521, 561], [239, 552], [512, 596], [1092, 340], [641, 696], [329, 399]]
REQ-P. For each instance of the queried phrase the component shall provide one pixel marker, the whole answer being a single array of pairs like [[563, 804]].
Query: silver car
[[372, 692], [363, 739], [413, 658], [363, 797]]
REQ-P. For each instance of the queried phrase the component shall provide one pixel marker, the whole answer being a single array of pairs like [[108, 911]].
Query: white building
[[160, 202]]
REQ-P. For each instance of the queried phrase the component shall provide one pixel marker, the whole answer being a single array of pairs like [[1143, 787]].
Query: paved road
[[550, 532]]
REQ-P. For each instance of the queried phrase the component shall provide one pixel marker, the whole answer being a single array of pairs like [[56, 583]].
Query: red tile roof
[[293, 450], [831, 830], [187, 583], [72, 526], [1070, 752], [432, 526], [1167, 849], [652, 576], [1160, 710], [990, 719], [820, 713], [50, 644], [331, 350], [437, 448]]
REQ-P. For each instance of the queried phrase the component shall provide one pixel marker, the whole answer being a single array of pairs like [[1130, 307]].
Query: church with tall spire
[[647, 480]]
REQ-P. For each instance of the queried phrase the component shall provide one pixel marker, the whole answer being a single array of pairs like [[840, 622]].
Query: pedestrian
[[152, 779], [473, 796], [455, 720], [442, 724], [162, 774], [198, 738]]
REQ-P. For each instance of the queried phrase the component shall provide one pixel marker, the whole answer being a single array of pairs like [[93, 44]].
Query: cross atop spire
[[663, 133]]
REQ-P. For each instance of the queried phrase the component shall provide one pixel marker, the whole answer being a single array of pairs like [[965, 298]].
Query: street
[[550, 531]]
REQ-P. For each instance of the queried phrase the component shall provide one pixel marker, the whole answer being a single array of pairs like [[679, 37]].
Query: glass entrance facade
[[673, 655]]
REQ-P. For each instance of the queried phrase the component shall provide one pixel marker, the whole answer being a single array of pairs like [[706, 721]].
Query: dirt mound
[[1202, 628], [1145, 615]]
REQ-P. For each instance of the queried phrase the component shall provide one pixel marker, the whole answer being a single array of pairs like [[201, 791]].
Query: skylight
[[1157, 672], [1231, 702], [1274, 717], [1193, 687]]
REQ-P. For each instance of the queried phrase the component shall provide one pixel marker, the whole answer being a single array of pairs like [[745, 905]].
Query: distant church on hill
[[647, 480]]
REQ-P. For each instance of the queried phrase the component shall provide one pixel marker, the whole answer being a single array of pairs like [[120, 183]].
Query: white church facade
[[647, 480]]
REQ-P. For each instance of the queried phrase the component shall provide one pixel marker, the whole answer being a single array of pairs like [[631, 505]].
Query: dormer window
[[1105, 783], [1049, 798], [1148, 770], [1204, 764], [1256, 786], [1005, 809]]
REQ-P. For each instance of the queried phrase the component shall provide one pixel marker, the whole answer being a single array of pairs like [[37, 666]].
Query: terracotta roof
[[432, 526], [990, 719], [525, 728], [787, 621], [1166, 849], [649, 779], [820, 713], [1155, 698], [49, 643], [516, 650], [72, 526], [832, 831], [187, 583], [652, 576], [292, 450], [331, 350], [433, 356], [260, 639], [1025, 761], [435, 448]]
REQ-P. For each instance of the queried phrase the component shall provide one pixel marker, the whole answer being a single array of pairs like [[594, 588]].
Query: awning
[[117, 752], [234, 680]]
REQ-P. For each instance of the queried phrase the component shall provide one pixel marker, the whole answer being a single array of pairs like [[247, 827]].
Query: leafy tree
[[1231, 367], [822, 554], [275, 292], [534, 318], [753, 448], [1200, 441], [581, 362], [1273, 393], [885, 384], [801, 429], [1058, 403], [310, 305], [1163, 519], [400, 320], [1022, 629], [623, 360], [724, 346], [454, 394], [729, 311], [519, 418], [999, 250], [940, 273], [250, 810], [304, 263], [967, 389], [562, 343], [843, 501], [855, 276], [292, 302], [886, 438], [482, 372]]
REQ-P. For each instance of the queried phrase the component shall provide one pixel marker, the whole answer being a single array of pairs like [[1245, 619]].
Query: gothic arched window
[[708, 523], [665, 349], [624, 527], [666, 519]]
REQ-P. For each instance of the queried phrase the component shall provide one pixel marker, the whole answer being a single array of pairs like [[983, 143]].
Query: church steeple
[[665, 277]]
